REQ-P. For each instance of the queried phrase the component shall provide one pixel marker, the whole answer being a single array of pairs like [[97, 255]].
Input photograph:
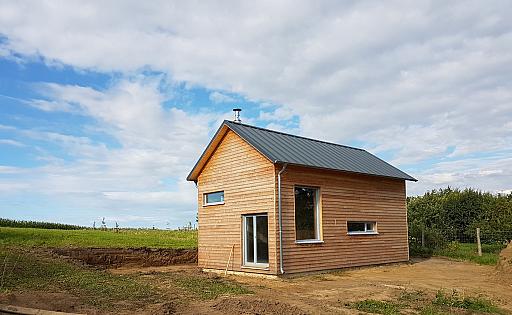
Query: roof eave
[[409, 178]]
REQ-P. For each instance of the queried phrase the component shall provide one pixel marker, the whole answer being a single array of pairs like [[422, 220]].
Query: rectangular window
[[255, 234], [307, 217], [214, 198], [362, 227]]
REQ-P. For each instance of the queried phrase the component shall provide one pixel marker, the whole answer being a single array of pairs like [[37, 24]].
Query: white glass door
[[256, 240]]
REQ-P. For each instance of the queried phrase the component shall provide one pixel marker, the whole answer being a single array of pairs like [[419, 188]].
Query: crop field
[[97, 272], [125, 238]]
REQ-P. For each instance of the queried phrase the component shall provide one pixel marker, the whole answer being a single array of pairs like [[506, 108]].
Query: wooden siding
[[248, 181], [345, 197]]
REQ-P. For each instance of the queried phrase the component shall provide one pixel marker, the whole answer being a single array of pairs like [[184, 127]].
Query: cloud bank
[[425, 84]]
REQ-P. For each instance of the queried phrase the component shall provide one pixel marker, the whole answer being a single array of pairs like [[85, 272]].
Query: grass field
[[419, 302], [468, 252], [30, 237], [30, 271], [24, 270]]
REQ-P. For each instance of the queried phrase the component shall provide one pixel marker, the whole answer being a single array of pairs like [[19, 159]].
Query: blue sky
[[103, 114]]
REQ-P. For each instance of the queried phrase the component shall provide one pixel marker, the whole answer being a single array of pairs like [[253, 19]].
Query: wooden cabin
[[275, 203]]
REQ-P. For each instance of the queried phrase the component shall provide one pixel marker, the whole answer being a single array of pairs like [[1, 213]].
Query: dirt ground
[[328, 293], [115, 257], [313, 294]]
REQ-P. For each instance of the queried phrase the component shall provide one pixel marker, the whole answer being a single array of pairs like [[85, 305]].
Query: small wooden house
[[274, 203]]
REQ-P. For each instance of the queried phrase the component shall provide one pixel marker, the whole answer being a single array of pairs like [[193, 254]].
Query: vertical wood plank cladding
[[247, 179], [346, 197]]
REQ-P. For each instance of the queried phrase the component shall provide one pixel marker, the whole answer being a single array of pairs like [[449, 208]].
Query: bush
[[416, 250], [455, 214], [442, 220]]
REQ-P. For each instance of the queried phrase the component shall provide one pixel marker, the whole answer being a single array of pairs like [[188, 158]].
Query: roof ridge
[[292, 135]]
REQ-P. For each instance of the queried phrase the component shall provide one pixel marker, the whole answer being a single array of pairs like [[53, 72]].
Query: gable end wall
[[248, 181]]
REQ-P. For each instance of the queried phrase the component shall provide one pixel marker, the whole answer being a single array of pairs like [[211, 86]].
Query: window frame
[[366, 231], [318, 217], [245, 263], [205, 203]]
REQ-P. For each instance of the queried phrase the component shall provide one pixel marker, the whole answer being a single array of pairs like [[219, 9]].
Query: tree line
[[39, 225], [453, 215]]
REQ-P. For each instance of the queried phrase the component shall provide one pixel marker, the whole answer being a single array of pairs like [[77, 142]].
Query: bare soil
[[135, 257], [248, 305], [59, 302], [312, 294], [328, 293]]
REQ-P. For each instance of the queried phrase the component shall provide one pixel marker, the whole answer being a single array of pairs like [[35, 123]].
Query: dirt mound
[[504, 266], [60, 302], [251, 305], [133, 257]]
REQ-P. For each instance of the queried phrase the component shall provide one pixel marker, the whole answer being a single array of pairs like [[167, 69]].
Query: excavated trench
[[130, 257]]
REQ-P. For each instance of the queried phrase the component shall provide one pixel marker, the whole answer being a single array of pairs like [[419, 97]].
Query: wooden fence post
[[478, 243]]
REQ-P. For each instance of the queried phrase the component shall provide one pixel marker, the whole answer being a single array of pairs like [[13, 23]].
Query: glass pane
[[305, 213], [355, 226], [262, 239], [370, 227], [249, 240], [215, 197]]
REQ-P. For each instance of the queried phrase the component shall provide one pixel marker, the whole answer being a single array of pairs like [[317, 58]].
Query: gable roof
[[281, 147]]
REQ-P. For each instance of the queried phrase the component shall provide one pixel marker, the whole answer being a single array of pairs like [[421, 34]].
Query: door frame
[[245, 263]]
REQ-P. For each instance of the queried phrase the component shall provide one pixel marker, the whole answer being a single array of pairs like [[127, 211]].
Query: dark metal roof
[[286, 148]]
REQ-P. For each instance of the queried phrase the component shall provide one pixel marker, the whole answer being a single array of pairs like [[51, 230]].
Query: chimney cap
[[237, 115]]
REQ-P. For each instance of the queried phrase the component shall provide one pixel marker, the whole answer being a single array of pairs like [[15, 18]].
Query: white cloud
[[218, 97], [487, 174], [422, 81], [50, 106], [156, 145], [347, 71], [281, 113], [11, 169], [11, 142]]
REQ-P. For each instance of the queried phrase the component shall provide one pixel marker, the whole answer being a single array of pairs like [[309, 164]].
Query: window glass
[[356, 226], [256, 240], [306, 208], [249, 239], [361, 227], [262, 239], [215, 197]]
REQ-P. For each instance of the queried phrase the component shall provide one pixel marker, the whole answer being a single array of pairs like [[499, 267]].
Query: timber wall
[[247, 179]]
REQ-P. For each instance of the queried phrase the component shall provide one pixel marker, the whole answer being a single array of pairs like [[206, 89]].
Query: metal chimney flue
[[237, 115]]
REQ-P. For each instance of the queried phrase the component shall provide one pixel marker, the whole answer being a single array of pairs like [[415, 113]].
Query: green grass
[[20, 270], [468, 252], [23, 269], [208, 288], [31, 237], [455, 300], [419, 302], [376, 307]]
